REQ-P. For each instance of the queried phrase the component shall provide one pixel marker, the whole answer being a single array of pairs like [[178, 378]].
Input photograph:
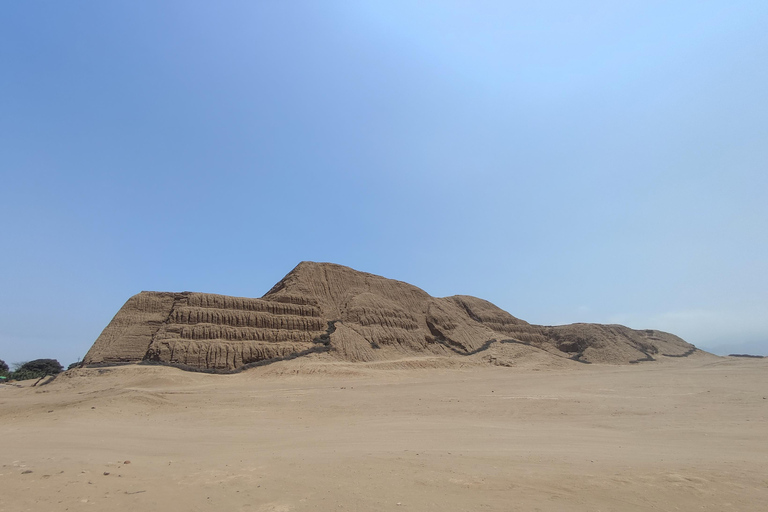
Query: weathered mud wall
[[353, 316]]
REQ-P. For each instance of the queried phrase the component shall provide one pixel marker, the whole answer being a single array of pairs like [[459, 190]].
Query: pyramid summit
[[347, 315]]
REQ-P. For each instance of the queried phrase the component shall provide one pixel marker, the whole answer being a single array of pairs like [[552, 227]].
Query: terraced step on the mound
[[239, 318]]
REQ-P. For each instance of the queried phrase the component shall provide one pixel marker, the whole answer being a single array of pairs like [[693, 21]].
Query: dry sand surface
[[685, 435]]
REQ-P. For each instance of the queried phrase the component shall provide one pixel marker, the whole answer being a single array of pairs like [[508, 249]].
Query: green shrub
[[36, 369]]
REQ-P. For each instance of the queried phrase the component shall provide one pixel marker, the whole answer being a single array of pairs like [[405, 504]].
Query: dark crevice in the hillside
[[325, 338], [471, 313], [177, 299], [255, 364], [485, 346], [578, 358], [439, 337], [684, 354], [648, 357], [570, 345]]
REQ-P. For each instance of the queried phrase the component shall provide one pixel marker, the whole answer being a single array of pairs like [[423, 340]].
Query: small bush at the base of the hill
[[36, 369]]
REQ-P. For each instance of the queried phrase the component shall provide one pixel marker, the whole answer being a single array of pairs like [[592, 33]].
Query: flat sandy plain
[[689, 434]]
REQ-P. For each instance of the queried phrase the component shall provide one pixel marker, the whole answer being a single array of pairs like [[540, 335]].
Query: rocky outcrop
[[352, 316]]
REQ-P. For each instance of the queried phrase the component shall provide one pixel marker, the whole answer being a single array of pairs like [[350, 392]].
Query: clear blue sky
[[568, 161]]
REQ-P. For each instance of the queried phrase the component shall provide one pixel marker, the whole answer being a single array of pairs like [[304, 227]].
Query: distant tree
[[47, 366], [3, 367], [74, 365], [36, 369]]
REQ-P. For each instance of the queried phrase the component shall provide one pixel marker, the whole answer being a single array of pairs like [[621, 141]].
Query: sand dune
[[414, 434]]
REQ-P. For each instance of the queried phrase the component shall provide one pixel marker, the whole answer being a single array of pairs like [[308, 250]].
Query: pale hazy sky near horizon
[[568, 161]]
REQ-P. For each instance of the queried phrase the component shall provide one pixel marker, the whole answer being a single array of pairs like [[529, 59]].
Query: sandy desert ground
[[691, 434]]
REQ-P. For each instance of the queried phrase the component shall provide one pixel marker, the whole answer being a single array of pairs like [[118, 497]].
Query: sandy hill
[[323, 308]]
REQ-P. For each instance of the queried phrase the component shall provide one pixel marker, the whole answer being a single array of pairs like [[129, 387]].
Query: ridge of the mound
[[352, 316]]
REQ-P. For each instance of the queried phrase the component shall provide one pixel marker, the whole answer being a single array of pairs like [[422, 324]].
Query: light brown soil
[[689, 434]]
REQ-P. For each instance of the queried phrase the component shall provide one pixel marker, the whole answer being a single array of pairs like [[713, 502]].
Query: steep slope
[[128, 335], [353, 316]]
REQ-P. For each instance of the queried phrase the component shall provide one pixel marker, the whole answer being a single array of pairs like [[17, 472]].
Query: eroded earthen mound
[[352, 316]]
